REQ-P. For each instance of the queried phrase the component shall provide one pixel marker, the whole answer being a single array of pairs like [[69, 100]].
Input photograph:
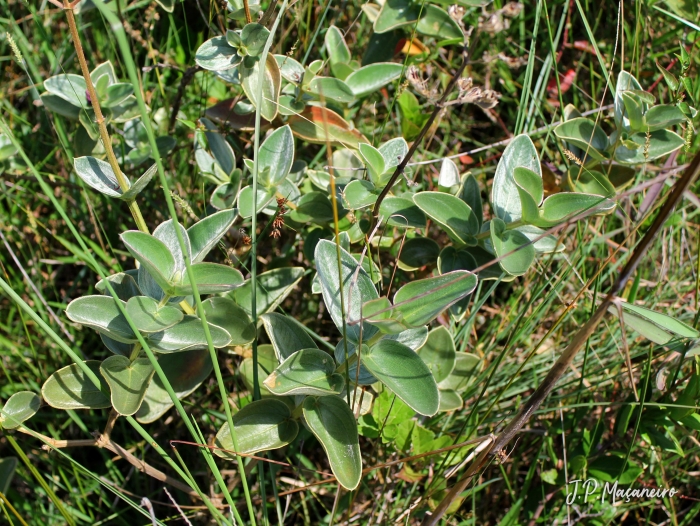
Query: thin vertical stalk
[[99, 118], [253, 228]]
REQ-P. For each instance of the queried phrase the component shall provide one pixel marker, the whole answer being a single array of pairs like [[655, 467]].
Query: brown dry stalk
[[578, 341], [99, 118]]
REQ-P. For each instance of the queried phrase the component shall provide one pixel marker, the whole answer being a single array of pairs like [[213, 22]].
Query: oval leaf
[[504, 194], [97, 174], [438, 353], [306, 372], [286, 334], [21, 406], [272, 287], [70, 388], [331, 279], [128, 382], [402, 370], [271, 79], [102, 314], [453, 214], [513, 246], [421, 301], [185, 371], [369, 79], [260, 426], [332, 422], [206, 233], [149, 316], [187, 335], [224, 313]]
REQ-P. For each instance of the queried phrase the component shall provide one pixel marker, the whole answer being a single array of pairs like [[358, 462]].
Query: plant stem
[[246, 8], [100, 120]]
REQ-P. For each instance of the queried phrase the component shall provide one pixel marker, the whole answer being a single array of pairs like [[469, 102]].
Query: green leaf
[[520, 251], [286, 334], [128, 382], [607, 468], [154, 256], [374, 162], [589, 182], [332, 422], [140, 184], [306, 372], [400, 369], [625, 82], [216, 54], [98, 175], [272, 287], [69, 87], [450, 400], [438, 353], [167, 234], [418, 252], [670, 78], [561, 206], [245, 200], [470, 193], [369, 79], [633, 111], [211, 278], [435, 22], [531, 190], [465, 369], [271, 78], [329, 88], [314, 206], [423, 300], [336, 47], [185, 371], [396, 13], [450, 212], [116, 94], [331, 278], [451, 259], [260, 426], [663, 116], [224, 313], [364, 377], [359, 194], [56, 104], [402, 213], [276, 156], [387, 321], [70, 388], [224, 196], [20, 407], [149, 316], [123, 283], [187, 335], [393, 152], [206, 233], [657, 327], [254, 36], [504, 194], [102, 314]]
